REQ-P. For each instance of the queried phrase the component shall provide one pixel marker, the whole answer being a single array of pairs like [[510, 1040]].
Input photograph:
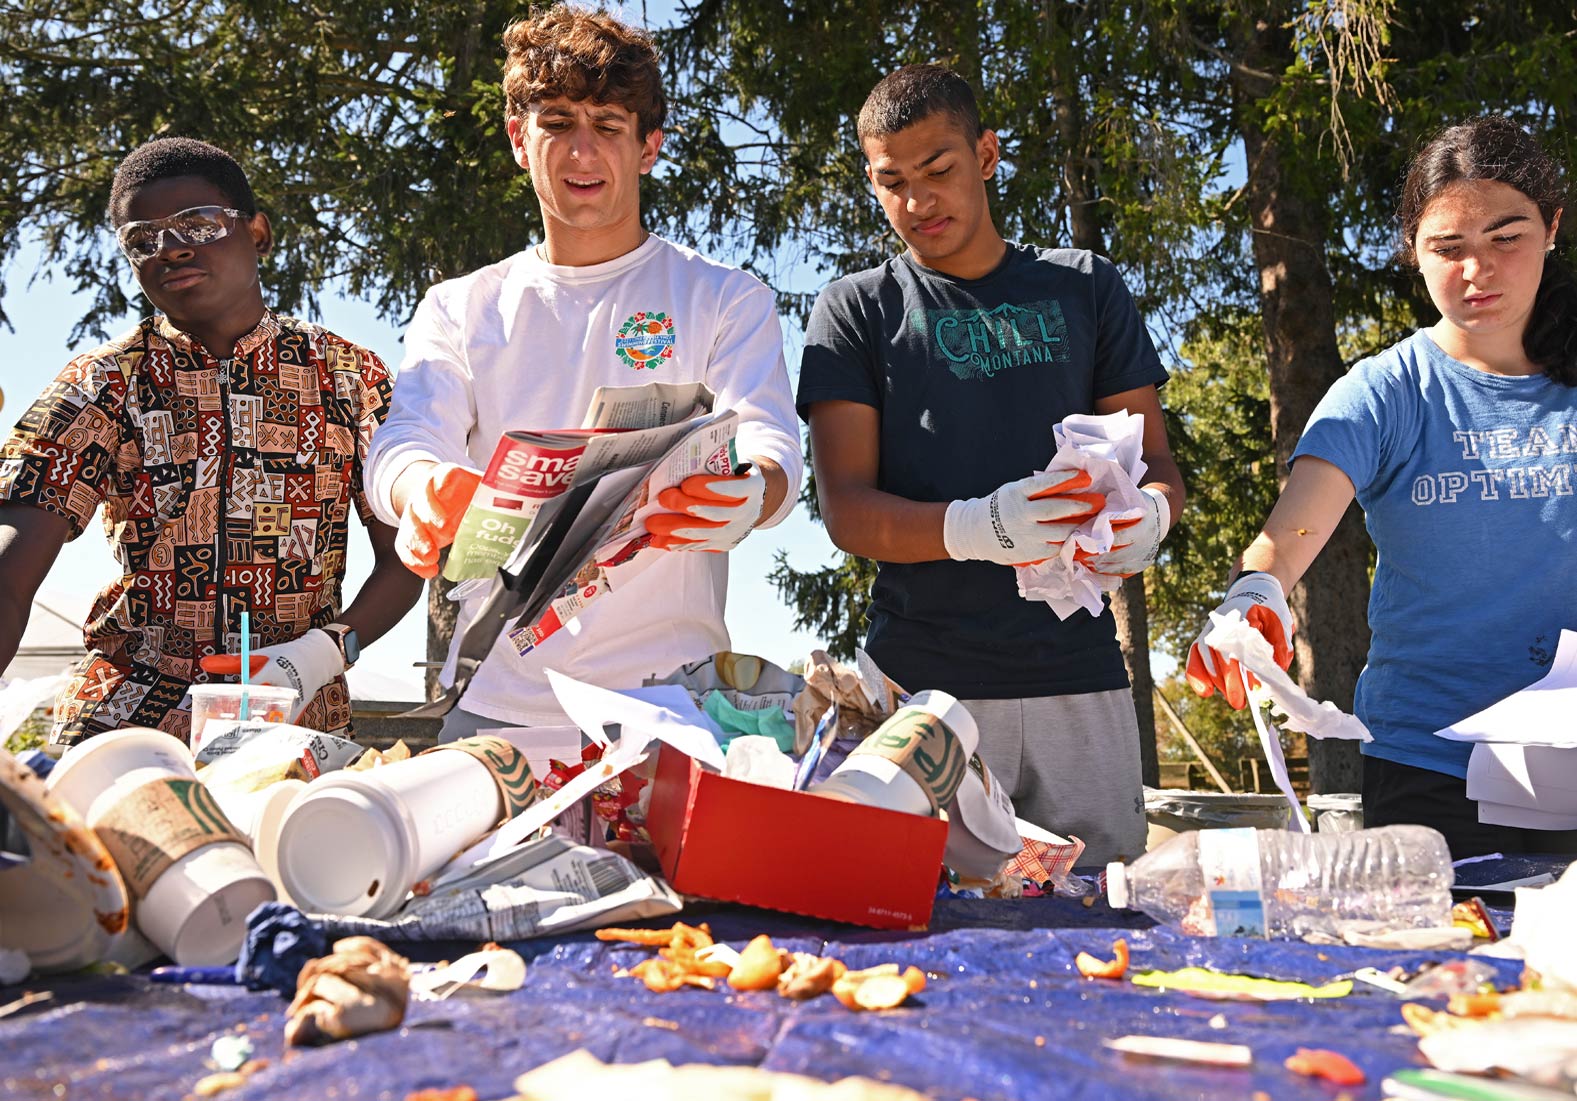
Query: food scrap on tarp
[[361, 987]]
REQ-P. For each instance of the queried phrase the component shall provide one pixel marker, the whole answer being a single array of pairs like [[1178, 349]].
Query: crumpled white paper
[[1108, 449], [1232, 637]]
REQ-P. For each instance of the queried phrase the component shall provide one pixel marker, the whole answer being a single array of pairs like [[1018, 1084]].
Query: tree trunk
[[1128, 602], [1289, 231]]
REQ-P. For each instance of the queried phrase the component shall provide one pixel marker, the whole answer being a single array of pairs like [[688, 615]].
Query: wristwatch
[[344, 636]]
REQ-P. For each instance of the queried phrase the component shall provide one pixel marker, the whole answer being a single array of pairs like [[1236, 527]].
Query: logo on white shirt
[[645, 340]]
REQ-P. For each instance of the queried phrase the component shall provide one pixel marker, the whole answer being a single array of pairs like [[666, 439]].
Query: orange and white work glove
[[305, 664], [708, 512], [1137, 541], [1023, 522], [432, 517], [1258, 598]]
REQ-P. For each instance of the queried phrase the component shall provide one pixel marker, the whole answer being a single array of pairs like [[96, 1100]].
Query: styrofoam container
[[877, 781], [196, 911], [354, 843], [265, 703]]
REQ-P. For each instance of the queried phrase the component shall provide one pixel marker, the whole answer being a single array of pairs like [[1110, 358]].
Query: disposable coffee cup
[[876, 780], [259, 815], [355, 843], [138, 790], [264, 703]]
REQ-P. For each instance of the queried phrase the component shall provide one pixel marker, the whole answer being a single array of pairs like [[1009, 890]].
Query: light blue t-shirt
[[1466, 482]]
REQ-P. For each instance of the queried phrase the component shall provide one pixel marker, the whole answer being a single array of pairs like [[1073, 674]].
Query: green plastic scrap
[[1205, 983], [769, 722]]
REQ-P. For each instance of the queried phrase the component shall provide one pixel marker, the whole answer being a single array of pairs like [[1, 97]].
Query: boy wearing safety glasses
[[226, 444]]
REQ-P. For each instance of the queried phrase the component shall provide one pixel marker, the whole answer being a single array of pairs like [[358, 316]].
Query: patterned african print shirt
[[226, 485]]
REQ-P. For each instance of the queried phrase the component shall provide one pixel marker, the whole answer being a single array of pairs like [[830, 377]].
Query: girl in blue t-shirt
[[1460, 443]]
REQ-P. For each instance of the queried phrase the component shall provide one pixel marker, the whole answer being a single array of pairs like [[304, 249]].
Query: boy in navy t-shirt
[[931, 385]]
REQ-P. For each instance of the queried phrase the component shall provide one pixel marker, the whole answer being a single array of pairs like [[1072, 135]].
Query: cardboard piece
[[788, 850]]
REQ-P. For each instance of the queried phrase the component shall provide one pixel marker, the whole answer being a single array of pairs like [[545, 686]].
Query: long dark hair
[[1493, 147]]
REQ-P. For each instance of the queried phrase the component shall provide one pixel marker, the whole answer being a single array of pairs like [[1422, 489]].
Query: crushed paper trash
[[496, 969], [360, 987], [1107, 448]]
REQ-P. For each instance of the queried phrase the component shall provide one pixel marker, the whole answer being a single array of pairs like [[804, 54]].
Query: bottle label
[[1229, 860]]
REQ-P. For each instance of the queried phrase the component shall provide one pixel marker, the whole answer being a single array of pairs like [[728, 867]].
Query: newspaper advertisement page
[[624, 425], [547, 886], [710, 448]]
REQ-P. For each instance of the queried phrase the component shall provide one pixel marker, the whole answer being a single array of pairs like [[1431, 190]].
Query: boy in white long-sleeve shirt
[[525, 342]]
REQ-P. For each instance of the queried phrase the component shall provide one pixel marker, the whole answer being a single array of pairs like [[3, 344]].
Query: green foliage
[[32, 734], [1218, 407]]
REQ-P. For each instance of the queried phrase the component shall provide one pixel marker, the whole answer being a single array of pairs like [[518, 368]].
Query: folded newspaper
[[547, 886], [561, 515]]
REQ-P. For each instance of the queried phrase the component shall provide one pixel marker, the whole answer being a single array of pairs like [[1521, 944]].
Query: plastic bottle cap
[[1117, 885]]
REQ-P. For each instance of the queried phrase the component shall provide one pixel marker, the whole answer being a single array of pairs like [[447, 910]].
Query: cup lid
[[341, 851]]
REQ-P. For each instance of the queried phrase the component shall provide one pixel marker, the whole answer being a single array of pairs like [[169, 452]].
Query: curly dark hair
[[1492, 147], [164, 158], [582, 54]]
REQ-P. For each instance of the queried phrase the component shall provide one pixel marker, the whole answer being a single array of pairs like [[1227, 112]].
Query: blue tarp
[[1005, 1017]]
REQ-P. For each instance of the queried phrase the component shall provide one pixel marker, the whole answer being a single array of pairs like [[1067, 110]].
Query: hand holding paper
[[1258, 598], [432, 517], [1022, 522], [708, 512]]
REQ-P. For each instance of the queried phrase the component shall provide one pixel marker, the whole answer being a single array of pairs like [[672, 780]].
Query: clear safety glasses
[[198, 225]]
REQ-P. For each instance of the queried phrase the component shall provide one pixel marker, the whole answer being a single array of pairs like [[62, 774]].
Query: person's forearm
[[777, 487], [1312, 503], [872, 524], [1166, 479], [389, 592]]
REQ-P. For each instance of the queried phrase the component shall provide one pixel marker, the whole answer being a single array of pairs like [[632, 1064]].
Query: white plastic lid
[[1117, 885], [342, 852]]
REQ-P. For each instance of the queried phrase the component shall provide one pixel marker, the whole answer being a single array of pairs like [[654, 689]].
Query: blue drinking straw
[[246, 661]]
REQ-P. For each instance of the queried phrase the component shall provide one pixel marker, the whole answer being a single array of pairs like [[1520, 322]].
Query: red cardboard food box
[[788, 850]]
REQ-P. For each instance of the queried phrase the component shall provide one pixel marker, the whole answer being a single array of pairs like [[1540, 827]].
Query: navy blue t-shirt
[[969, 375]]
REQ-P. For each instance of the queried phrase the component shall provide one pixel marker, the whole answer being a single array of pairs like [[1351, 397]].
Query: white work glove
[[1021, 523], [708, 512], [1137, 542], [1259, 599], [305, 664], [432, 516]]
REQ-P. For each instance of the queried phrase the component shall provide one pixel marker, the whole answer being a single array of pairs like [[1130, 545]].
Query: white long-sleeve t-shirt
[[523, 344]]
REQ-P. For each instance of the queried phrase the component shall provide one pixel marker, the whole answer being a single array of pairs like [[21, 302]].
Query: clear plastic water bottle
[[1276, 883]]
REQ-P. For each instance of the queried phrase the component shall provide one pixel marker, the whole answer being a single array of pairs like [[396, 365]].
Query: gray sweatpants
[[1071, 765]]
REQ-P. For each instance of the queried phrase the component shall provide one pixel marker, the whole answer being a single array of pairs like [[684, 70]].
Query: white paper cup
[[196, 911], [259, 815], [265, 703], [878, 781], [354, 843]]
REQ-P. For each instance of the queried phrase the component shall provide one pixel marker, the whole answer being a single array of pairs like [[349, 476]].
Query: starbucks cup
[[263, 703], [192, 876], [354, 843], [875, 773], [259, 815]]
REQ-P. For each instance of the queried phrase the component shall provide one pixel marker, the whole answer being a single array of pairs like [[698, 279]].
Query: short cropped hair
[[164, 158], [915, 93], [582, 54]]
